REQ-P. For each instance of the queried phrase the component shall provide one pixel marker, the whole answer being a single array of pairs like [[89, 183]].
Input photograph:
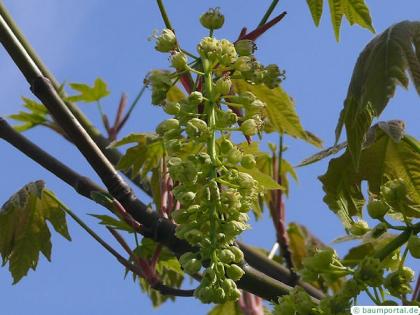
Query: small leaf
[[89, 94], [357, 12], [114, 223], [280, 110], [336, 12], [315, 6], [228, 308], [37, 115], [382, 65], [24, 232], [323, 154]]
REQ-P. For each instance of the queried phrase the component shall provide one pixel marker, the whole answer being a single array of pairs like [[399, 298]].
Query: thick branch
[[27, 60]]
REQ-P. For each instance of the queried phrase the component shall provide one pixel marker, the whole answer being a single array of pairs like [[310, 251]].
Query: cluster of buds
[[210, 173]]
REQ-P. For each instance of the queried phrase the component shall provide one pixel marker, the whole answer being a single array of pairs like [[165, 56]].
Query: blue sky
[[80, 40]]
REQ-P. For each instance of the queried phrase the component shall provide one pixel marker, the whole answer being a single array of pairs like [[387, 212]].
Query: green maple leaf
[[89, 94], [24, 232]]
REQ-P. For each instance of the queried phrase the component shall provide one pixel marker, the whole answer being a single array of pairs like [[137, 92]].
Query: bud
[[394, 192], [249, 127], [196, 128], [209, 48], [413, 246], [223, 85], [213, 19], [248, 161], [225, 146], [187, 198], [161, 83], [370, 272], [234, 156], [179, 60], [167, 125], [272, 76], [377, 208], [243, 64], [166, 41], [186, 258], [171, 108], [228, 53], [195, 98], [239, 256], [234, 272], [359, 228], [192, 267], [245, 180], [226, 256], [398, 282], [245, 47]]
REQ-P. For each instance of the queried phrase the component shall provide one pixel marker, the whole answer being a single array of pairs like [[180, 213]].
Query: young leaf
[[383, 160], [336, 13], [37, 115], [382, 65], [280, 109], [315, 6], [89, 94], [322, 154], [144, 156], [114, 223], [24, 232], [228, 308], [357, 12]]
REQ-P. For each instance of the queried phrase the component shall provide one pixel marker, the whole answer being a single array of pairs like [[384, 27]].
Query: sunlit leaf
[[113, 222], [383, 160], [389, 59], [228, 308], [89, 94], [24, 232], [280, 110], [315, 6], [37, 114]]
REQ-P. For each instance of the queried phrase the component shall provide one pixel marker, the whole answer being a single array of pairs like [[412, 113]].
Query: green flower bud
[[248, 161], [234, 156], [209, 48], [226, 256], [379, 229], [167, 125], [245, 180], [166, 41], [209, 276], [193, 266], [370, 271], [185, 258], [161, 83], [243, 64], [179, 60], [245, 47], [320, 261], [398, 282], [245, 98], [239, 256], [359, 228], [414, 246], [193, 236], [213, 19], [172, 108], [196, 128], [377, 208], [228, 53], [394, 192], [187, 198], [225, 146], [231, 200], [233, 228], [223, 85], [219, 295], [249, 127], [195, 98], [234, 272]]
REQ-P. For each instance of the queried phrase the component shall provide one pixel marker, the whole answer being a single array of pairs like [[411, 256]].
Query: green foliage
[[37, 114], [114, 223], [228, 308], [23, 227], [280, 110], [89, 94], [381, 161], [144, 156], [382, 65], [356, 12]]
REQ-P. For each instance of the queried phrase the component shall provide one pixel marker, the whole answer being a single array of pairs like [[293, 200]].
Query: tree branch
[[26, 55]]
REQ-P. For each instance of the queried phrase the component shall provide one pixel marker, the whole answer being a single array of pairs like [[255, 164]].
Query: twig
[[268, 12], [164, 14]]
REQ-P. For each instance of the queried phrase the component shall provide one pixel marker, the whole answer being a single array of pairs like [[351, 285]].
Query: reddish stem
[[256, 33]]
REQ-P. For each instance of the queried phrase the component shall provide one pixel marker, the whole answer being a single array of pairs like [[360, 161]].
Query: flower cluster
[[211, 182]]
